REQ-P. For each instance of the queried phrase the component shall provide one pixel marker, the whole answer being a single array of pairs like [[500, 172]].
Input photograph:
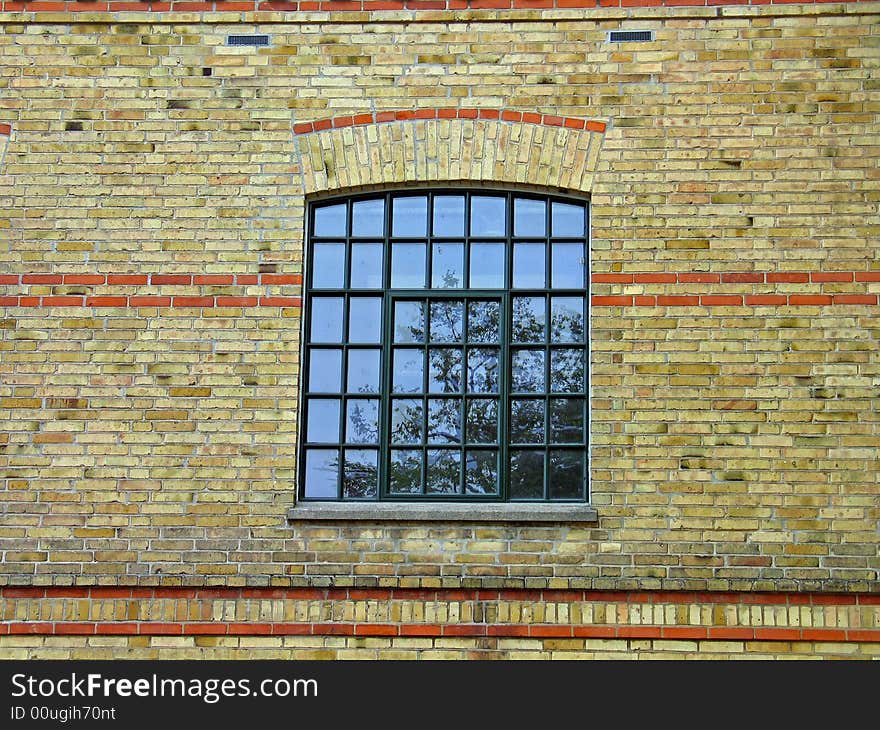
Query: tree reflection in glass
[[405, 471], [443, 471], [482, 421], [528, 371], [567, 420], [444, 420], [527, 421], [566, 319], [481, 472], [526, 474], [567, 370], [362, 421], [566, 474], [484, 318], [406, 420], [444, 375], [447, 320], [409, 321], [360, 478], [529, 319], [482, 370]]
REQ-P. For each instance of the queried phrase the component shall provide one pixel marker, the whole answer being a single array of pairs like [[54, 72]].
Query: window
[[446, 348]]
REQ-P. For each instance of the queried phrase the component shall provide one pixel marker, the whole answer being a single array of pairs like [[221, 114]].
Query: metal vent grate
[[630, 36], [247, 40]]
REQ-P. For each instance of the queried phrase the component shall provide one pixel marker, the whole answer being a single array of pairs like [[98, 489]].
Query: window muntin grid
[[446, 351]]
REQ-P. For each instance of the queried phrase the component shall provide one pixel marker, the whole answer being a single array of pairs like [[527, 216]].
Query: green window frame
[[446, 348]]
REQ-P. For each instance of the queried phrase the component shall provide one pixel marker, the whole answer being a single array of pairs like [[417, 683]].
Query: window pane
[[527, 475], [528, 371], [322, 473], [449, 215], [365, 319], [363, 371], [447, 265], [447, 321], [327, 319], [529, 217], [483, 321], [567, 420], [488, 216], [529, 319], [368, 218], [528, 265], [444, 375], [325, 371], [567, 371], [408, 265], [330, 221], [323, 424], [366, 265], [567, 319], [568, 220], [444, 420], [406, 421], [487, 265], [328, 266], [409, 217], [409, 321], [527, 421], [482, 421], [443, 471], [482, 370], [566, 474], [481, 472], [407, 371], [568, 265], [362, 421], [405, 472], [361, 476]]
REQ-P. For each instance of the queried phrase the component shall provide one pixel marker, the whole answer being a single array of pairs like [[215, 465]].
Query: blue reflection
[[568, 265], [529, 217], [367, 265], [327, 319], [323, 421], [322, 473], [487, 265], [488, 215], [368, 218], [528, 265], [325, 371], [568, 220], [328, 266], [363, 371], [365, 319], [409, 217], [408, 265], [449, 215], [330, 221]]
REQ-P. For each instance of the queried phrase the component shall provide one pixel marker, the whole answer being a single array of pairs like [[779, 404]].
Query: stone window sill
[[437, 512]]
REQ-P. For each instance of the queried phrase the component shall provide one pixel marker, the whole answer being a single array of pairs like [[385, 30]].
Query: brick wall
[[152, 185]]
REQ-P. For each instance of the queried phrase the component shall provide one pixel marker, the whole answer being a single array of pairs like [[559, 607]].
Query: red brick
[[280, 302], [291, 629], [213, 279], [678, 301], [699, 278], [84, 278], [421, 630], [281, 278], [612, 278], [70, 628], [549, 631], [127, 278], [591, 126], [237, 301], [171, 279], [466, 630], [721, 300], [684, 632], [106, 301], [868, 276], [854, 298], [41, 279], [160, 629], [192, 302], [303, 128], [777, 634], [809, 299], [822, 276], [611, 301], [149, 301], [759, 299], [572, 123], [62, 301], [742, 278], [654, 278], [787, 277]]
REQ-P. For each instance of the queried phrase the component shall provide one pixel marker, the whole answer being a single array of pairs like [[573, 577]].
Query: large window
[[446, 348]]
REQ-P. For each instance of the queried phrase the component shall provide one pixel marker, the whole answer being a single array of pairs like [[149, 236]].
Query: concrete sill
[[439, 512]]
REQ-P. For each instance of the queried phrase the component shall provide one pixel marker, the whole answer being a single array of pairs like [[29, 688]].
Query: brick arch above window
[[449, 145]]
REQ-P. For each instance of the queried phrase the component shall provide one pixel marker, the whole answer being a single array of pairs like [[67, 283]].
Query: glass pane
[[407, 370], [529, 319], [527, 475], [567, 371], [360, 479], [444, 421], [481, 472], [322, 473], [568, 265], [528, 265], [443, 471], [362, 421], [368, 218], [327, 319], [365, 319], [566, 474], [328, 266], [325, 371], [483, 321], [488, 216], [567, 420], [568, 220], [567, 319], [447, 321], [363, 371], [487, 265], [323, 424], [528, 371], [444, 375], [529, 217], [408, 265], [447, 265], [482, 421], [482, 370], [330, 221], [409, 321], [366, 265], [406, 421], [527, 421], [409, 217], [405, 472], [449, 215]]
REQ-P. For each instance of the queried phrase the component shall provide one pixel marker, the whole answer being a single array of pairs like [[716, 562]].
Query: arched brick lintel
[[458, 145]]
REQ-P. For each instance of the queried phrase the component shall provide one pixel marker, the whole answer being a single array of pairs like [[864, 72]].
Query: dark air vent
[[247, 40], [630, 36]]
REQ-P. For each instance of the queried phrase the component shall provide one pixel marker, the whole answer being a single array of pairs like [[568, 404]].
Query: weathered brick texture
[[153, 184]]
